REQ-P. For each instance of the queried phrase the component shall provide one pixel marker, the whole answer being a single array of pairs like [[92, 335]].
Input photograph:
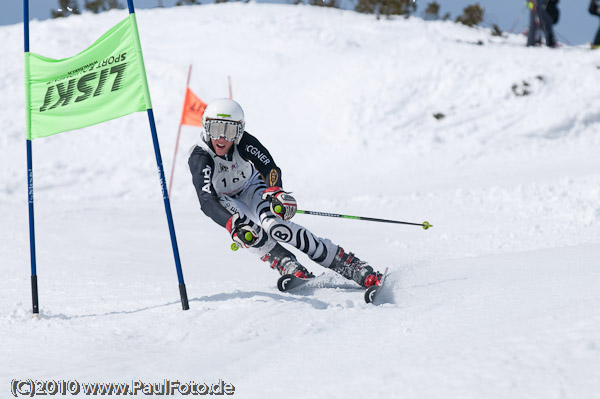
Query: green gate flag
[[104, 82]]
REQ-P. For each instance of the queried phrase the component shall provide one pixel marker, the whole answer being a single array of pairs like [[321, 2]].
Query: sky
[[575, 27]]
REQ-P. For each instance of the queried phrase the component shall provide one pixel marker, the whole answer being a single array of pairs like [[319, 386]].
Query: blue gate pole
[[34, 285], [182, 291]]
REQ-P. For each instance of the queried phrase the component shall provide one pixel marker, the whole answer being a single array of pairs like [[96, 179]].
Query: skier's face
[[221, 146]]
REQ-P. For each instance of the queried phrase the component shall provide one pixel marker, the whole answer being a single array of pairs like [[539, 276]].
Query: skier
[[239, 187], [539, 17], [594, 9]]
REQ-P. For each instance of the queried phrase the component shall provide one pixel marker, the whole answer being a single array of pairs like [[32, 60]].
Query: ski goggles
[[218, 128]]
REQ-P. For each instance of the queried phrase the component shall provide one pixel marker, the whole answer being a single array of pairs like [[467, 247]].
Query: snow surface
[[498, 300]]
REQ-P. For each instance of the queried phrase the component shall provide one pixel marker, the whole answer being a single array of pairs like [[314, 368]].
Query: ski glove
[[282, 203], [244, 231]]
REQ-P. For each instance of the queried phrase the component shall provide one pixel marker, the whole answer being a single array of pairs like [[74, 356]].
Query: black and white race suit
[[235, 183]]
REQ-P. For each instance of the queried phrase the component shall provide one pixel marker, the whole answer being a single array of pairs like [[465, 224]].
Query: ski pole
[[425, 225]]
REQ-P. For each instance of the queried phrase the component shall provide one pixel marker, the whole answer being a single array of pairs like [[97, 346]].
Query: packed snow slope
[[498, 300]]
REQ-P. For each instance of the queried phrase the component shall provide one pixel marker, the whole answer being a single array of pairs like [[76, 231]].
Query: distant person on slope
[[239, 187], [543, 14], [595, 10]]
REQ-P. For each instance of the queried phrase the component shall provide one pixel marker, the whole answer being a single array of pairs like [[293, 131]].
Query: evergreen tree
[[432, 12], [65, 8], [114, 4], [472, 15], [496, 31], [324, 3], [386, 7], [187, 2], [97, 6]]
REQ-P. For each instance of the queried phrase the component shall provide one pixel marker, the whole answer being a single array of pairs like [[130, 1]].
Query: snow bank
[[497, 300]]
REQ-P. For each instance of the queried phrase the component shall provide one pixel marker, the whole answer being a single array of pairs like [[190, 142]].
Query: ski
[[371, 292], [288, 282]]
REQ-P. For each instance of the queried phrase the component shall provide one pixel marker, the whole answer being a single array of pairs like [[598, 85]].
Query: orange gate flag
[[193, 109]]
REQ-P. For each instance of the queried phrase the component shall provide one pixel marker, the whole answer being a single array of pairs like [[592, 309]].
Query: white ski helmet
[[223, 118]]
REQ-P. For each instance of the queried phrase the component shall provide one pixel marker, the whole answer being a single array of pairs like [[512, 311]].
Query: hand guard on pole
[[244, 232], [282, 203]]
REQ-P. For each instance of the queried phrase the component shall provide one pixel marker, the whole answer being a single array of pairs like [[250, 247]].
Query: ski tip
[[283, 281], [370, 293]]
